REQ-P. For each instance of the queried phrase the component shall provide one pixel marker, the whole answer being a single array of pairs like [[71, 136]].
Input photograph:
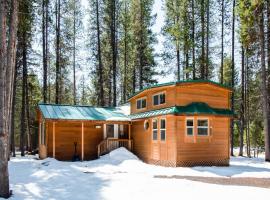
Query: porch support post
[[53, 139], [82, 141], [129, 141]]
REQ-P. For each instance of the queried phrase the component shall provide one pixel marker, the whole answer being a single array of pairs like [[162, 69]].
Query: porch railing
[[110, 144]]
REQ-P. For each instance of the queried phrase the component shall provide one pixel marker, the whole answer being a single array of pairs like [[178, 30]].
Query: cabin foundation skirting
[[214, 162], [165, 163]]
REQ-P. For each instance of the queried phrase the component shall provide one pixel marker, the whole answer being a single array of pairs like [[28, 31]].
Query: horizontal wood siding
[[154, 151], [170, 99], [212, 95], [92, 137], [203, 148], [66, 133]]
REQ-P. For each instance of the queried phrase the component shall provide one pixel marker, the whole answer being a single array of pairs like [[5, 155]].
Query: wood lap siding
[[66, 133], [147, 149], [216, 98], [170, 99], [209, 148]]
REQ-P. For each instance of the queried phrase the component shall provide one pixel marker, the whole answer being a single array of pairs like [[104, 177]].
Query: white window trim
[[165, 129], [190, 118], [140, 100], [155, 119], [159, 93], [208, 127]]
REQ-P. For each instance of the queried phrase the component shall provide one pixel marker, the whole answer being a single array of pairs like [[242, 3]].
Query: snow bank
[[121, 154]]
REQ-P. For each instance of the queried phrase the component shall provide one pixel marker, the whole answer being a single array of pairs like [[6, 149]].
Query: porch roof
[[197, 108], [76, 112]]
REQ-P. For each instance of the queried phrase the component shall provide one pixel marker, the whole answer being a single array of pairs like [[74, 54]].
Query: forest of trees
[[64, 52]]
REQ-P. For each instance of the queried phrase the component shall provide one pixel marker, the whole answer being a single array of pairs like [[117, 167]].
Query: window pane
[[154, 134], [154, 124], [156, 100], [162, 98], [202, 122], [202, 131], [162, 123], [190, 122], [138, 104], [143, 103], [162, 134], [189, 131]]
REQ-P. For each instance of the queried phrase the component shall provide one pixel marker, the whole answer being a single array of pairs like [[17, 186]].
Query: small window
[[155, 129], [162, 129], [146, 125], [202, 127], [190, 127], [159, 99], [141, 103]]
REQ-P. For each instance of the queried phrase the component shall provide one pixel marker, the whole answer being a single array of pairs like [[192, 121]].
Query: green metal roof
[[190, 109], [180, 82], [70, 112]]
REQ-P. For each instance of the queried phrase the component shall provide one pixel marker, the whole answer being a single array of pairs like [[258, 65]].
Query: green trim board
[[76, 112], [197, 108], [180, 82]]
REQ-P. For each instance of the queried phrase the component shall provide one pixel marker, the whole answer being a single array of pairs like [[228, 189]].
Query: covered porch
[[82, 131]]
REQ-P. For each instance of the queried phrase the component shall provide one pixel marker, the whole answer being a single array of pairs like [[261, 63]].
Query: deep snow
[[121, 175]]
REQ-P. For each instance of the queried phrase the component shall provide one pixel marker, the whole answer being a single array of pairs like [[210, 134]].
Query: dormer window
[[141, 103], [159, 99]]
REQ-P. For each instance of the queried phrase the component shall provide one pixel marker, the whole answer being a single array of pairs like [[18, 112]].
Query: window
[[190, 127], [155, 129], [141, 103], [159, 99], [162, 129], [202, 127]]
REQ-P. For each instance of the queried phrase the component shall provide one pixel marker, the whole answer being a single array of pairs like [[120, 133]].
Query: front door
[[110, 131]]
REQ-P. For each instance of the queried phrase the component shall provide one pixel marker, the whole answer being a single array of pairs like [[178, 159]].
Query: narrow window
[[154, 129], [141, 103], [162, 129], [159, 99], [202, 127], [190, 127]]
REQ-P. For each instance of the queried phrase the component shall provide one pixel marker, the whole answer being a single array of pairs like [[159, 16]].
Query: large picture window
[[141, 103], [159, 99], [154, 129], [190, 127], [202, 126], [163, 129]]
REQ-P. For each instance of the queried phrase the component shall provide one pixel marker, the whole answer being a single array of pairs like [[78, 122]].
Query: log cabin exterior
[[184, 123]]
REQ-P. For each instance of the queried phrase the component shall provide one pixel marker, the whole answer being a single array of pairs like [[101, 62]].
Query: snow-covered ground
[[121, 175]]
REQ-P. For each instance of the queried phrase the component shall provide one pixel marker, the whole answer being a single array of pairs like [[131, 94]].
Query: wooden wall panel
[[170, 99], [66, 133], [206, 148], [149, 150], [214, 97]]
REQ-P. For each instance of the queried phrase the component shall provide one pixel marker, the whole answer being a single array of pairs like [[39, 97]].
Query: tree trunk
[[202, 41], [264, 85], [222, 42], [207, 41], [74, 53], [113, 47], [193, 42], [57, 64], [242, 112], [178, 61], [7, 70], [232, 85], [23, 109], [44, 50], [125, 56], [12, 139], [100, 64]]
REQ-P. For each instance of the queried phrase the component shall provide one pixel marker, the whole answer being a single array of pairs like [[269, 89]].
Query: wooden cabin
[[185, 123], [96, 131]]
